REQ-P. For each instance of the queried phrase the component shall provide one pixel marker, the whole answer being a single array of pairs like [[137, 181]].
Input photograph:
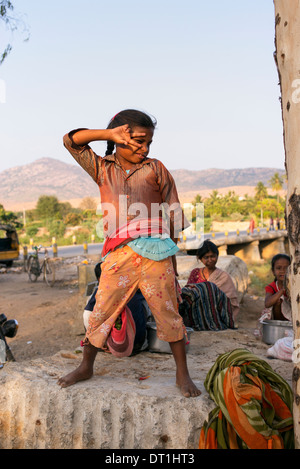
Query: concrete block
[[86, 275], [113, 410]]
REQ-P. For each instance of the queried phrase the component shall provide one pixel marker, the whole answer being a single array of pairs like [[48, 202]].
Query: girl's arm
[[271, 300], [86, 136], [121, 135], [77, 143]]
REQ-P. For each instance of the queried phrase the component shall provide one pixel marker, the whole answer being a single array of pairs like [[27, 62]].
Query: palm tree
[[213, 202], [261, 193], [276, 183], [214, 196], [198, 200]]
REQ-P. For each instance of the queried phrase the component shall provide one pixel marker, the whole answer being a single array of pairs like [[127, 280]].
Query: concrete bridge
[[262, 244]]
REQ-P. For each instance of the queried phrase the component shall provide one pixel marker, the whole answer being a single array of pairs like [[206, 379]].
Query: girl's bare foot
[[81, 373], [85, 369], [183, 380], [187, 386]]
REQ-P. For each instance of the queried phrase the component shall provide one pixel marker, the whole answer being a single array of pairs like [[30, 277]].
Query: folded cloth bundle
[[120, 342], [254, 405]]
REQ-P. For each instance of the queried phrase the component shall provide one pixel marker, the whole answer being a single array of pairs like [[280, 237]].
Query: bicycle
[[35, 268]]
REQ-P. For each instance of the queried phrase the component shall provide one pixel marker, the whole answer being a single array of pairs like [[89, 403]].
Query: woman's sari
[[223, 280]]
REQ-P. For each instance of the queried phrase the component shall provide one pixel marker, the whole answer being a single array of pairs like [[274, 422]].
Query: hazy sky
[[204, 69]]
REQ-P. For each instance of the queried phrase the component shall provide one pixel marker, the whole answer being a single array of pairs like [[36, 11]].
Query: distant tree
[[198, 200], [12, 23], [247, 205], [230, 204], [32, 230], [48, 206], [65, 208], [72, 219], [9, 218], [88, 203], [261, 193], [56, 228], [214, 196], [276, 182], [213, 204]]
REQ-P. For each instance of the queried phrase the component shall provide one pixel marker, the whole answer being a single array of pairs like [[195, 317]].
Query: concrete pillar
[[223, 250], [25, 257], [54, 249], [249, 252], [276, 246], [86, 275]]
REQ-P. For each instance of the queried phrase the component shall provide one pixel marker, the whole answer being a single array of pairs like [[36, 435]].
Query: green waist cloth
[[154, 248]]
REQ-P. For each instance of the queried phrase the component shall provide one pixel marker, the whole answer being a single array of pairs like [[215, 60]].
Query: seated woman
[[208, 254], [209, 300]]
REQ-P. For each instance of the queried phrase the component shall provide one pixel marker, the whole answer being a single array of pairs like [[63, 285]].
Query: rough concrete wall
[[103, 413]]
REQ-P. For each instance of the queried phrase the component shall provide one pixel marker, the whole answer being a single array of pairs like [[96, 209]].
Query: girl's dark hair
[[206, 247], [131, 117], [277, 257]]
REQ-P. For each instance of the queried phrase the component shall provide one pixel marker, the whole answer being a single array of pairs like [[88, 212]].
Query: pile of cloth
[[205, 307], [283, 348], [253, 405]]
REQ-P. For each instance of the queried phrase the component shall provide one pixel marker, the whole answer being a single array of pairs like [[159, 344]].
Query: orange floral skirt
[[123, 272]]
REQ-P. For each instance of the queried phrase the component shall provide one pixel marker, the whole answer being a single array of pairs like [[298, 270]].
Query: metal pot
[[274, 330], [160, 346]]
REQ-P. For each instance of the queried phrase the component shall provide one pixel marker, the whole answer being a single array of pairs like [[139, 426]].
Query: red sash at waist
[[142, 227]]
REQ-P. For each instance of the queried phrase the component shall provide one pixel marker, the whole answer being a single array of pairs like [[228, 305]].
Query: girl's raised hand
[[124, 136]]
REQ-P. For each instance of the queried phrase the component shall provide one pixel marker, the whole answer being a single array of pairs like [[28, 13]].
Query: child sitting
[[276, 296]]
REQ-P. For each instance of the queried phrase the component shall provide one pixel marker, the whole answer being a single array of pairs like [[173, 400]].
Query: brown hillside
[[21, 186]]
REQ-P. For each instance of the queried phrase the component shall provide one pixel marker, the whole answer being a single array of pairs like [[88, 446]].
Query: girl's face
[[209, 259], [129, 154], [280, 269]]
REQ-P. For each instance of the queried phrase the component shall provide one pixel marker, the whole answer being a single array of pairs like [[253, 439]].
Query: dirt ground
[[49, 320]]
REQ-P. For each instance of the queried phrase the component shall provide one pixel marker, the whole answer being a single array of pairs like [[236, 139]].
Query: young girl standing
[[129, 181]]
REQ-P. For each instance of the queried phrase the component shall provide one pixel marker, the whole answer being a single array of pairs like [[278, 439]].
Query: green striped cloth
[[267, 412]]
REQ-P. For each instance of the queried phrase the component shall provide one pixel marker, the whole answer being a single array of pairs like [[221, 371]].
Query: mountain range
[[22, 185]]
